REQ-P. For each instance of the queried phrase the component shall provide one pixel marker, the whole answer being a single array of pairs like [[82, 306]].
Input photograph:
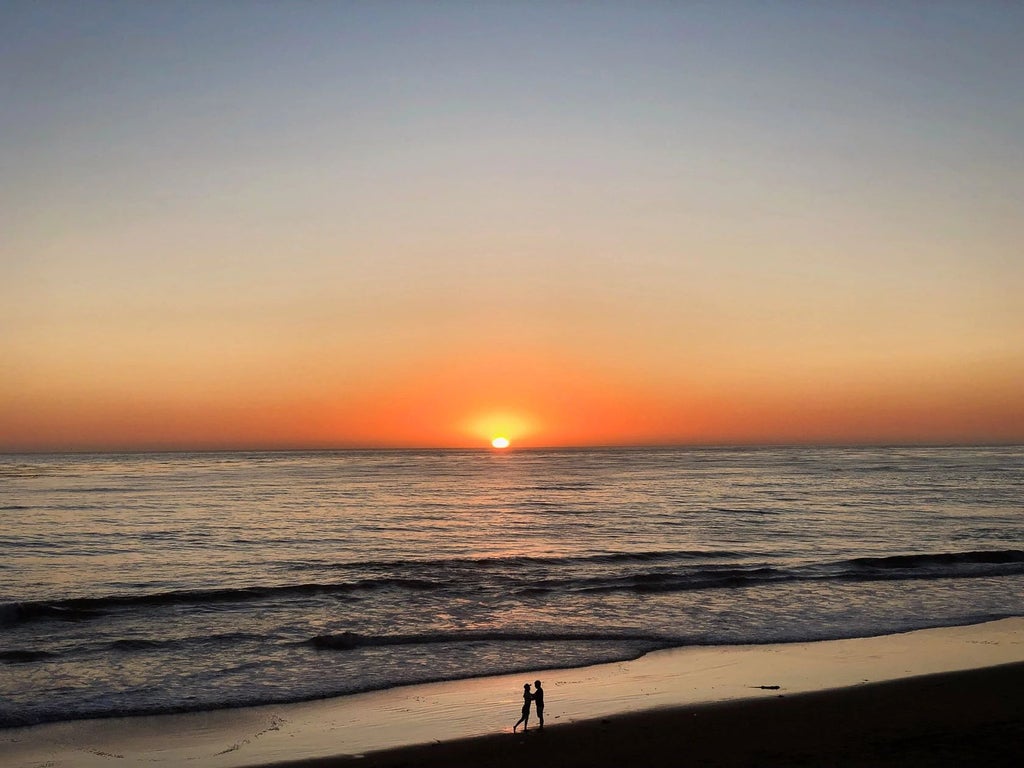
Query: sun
[[500, 442]]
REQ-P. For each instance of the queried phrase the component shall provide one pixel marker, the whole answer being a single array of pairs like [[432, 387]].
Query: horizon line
[[513, 448]]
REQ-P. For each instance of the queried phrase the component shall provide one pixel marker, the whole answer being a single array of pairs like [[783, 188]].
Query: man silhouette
[[538, 702]]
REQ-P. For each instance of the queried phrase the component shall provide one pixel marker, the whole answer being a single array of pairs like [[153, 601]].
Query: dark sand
[[970, 718]]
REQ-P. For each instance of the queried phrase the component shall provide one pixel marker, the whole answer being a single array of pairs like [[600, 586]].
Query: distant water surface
[[159, 582]]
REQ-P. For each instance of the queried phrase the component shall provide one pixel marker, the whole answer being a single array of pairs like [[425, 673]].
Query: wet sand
[[816, 703], [972, 718]]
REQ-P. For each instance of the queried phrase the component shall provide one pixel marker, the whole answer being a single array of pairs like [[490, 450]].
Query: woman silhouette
[[527, 698]]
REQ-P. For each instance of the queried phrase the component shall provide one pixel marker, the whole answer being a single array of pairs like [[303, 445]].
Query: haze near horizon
[[568, 224]]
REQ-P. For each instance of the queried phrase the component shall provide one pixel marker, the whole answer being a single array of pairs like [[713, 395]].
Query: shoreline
[[947, 720], [379, 723], [526, 670]]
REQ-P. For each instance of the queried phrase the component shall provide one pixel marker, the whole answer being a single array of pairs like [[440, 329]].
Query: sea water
[[144, 583]]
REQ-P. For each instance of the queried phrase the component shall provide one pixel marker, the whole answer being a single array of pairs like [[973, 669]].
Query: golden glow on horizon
[[562, 402], [501, 425], [500, 442]]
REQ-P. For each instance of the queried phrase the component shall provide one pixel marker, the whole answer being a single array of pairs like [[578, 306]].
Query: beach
[[953, 719], [947, 696]]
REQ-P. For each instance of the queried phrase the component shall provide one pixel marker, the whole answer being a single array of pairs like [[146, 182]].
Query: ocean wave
[[128, 645], [946, 565], [998, 557], [60, 610], [672, 582], [346, 641], [644, 572], [84, 608], [522, 561], [24, 656]]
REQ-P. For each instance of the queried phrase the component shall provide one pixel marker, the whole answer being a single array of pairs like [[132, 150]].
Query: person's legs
[[525, 719], [540, 717]]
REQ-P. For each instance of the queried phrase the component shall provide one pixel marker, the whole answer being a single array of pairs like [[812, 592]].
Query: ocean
[[146, 583]]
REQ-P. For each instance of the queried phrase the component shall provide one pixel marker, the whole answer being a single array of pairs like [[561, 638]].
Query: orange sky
[[535, 400], [376, 226]]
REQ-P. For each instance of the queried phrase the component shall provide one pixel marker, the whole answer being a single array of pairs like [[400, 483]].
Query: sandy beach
[[952, 719], [951, 696]]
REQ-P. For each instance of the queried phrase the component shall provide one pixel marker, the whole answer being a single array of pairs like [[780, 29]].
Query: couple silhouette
[[537, 697]]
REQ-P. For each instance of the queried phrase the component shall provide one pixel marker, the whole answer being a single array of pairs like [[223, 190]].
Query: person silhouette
[[525, 719], [538, 703]]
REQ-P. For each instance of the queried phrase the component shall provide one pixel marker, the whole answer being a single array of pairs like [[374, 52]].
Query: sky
[[385, 224]]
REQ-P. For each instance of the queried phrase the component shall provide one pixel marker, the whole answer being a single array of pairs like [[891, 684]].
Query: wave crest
[[642, 572], [346, 641]]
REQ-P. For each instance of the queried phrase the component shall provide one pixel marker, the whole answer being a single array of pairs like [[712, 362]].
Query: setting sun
[[500, 442]]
